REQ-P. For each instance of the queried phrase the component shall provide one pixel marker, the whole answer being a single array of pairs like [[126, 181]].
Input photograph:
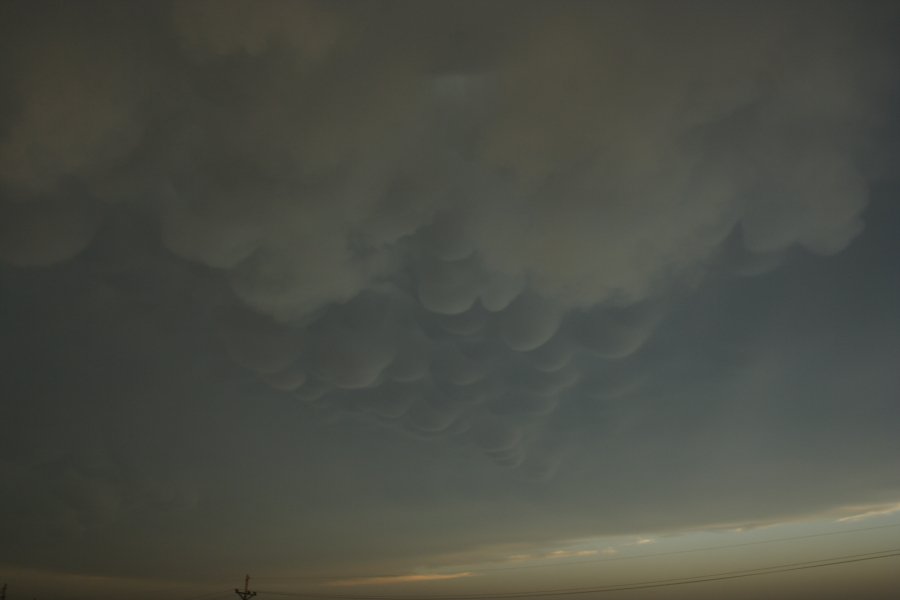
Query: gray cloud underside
[[343, 254]]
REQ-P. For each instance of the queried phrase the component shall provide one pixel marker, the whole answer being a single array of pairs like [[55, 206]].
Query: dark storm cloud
[[469, 225]]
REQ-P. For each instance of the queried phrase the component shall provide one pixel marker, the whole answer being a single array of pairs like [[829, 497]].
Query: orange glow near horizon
[[394, 579]]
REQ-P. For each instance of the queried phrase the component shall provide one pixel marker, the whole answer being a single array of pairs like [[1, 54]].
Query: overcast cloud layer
[[388, 280]]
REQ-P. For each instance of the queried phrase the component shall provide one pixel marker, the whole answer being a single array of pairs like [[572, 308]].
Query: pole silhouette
[[244, 594]]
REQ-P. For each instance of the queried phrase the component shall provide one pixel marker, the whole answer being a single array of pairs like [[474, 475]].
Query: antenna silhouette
[[246, 593]]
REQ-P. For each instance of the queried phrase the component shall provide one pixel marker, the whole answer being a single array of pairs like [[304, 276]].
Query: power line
[[594, 560], [770, 570]]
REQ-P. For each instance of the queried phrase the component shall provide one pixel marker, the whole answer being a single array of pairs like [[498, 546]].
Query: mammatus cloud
[[449, 221], [433, 233]]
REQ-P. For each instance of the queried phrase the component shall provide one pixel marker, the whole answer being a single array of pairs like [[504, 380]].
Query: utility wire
[[592, 560], [773, 569]]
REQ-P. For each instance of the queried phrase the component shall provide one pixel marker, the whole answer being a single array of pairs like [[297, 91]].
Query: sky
[[412, 299]]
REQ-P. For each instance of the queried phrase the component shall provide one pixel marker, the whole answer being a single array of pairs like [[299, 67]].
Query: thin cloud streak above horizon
[[870, 512]]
